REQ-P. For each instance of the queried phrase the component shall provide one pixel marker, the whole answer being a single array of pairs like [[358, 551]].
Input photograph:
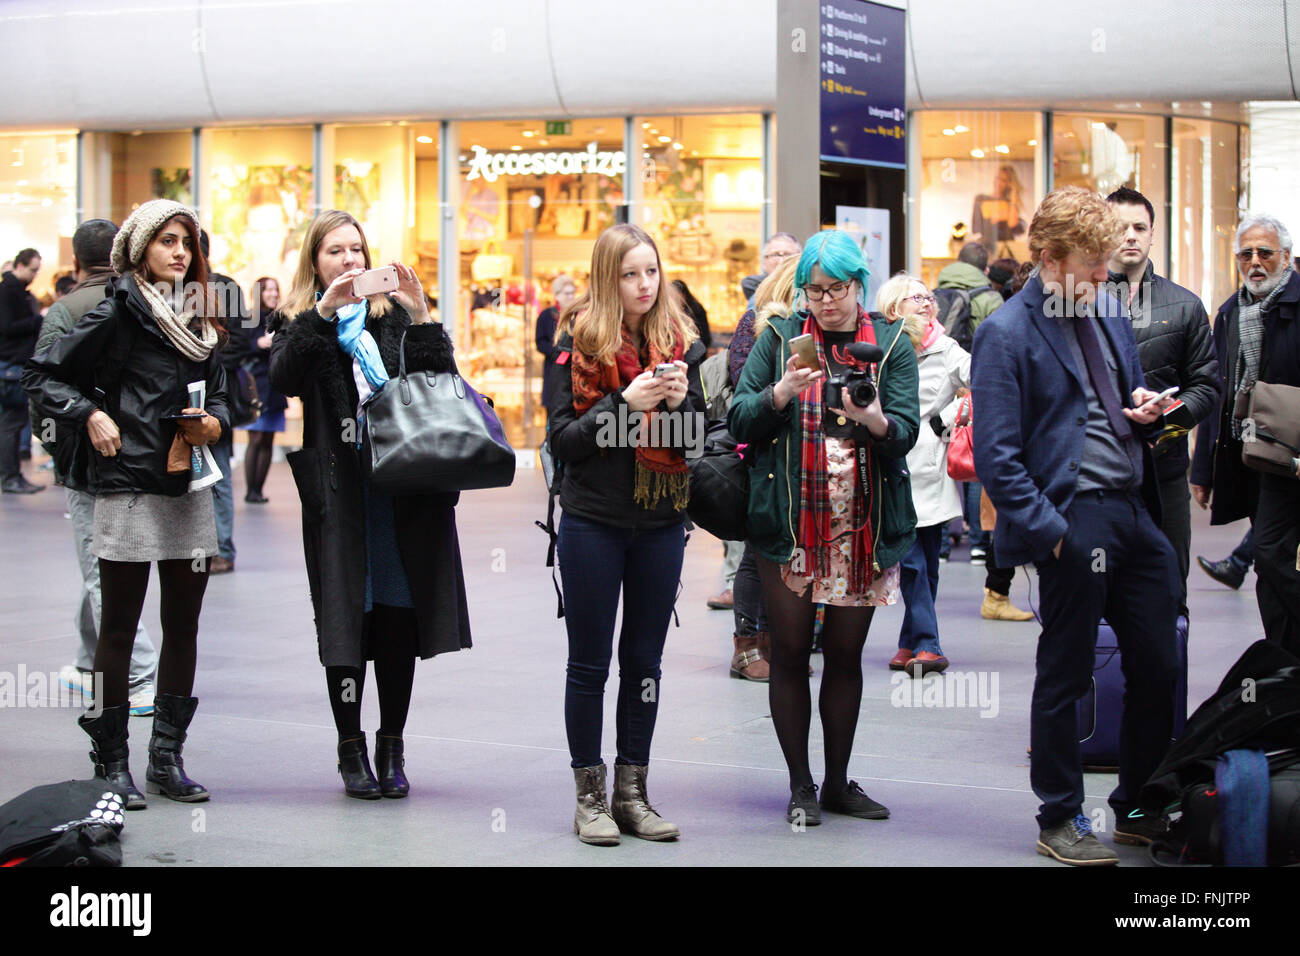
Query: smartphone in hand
[[663, 367], [375, 281], [805, 351], [1151, 402]]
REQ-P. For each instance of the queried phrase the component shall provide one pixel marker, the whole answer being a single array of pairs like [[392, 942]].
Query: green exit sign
[[559, 128]]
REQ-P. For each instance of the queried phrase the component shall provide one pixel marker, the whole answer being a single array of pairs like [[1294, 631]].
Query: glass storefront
[[528, 198], [702, 195], [981, 178], [38, 201]]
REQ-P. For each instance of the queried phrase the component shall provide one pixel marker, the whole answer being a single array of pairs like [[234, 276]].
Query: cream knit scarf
[[196, 348]]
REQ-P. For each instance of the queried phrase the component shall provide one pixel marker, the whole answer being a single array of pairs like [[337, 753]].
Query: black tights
[[257, 460], [395, 641], [124, 584], [844, 633]]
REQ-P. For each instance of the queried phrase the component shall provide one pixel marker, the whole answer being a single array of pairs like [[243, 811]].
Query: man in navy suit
[[1060, 446]]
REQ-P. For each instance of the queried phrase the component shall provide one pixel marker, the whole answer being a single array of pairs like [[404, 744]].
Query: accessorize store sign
[[491, 166]]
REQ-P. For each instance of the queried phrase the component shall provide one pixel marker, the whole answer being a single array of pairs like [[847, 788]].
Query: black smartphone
[[181, 416]]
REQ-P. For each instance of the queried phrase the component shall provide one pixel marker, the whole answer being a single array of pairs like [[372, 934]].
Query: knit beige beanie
[[141, 226]]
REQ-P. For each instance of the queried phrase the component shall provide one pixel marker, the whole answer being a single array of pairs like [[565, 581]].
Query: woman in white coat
[[944, 368]]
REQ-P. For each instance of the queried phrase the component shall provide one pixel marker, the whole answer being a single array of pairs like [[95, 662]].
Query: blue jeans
[[223, 502], [919, 574], [970, 492], [597, 563]]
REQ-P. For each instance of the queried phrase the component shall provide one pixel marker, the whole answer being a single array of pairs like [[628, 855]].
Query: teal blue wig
[[839, 256]]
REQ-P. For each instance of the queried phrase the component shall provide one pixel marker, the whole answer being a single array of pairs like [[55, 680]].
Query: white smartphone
[[375, 281], [1171, 391]]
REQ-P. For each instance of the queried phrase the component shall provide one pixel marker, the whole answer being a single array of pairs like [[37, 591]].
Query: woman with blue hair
[[830, 504]]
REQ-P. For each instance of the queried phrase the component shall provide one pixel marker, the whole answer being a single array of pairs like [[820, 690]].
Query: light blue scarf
[[360, 344]]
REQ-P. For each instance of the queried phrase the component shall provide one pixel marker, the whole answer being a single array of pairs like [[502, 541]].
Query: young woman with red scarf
[[830, 508], [626, 404]]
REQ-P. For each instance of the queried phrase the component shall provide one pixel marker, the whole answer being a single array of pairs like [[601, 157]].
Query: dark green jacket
[[774, 490]]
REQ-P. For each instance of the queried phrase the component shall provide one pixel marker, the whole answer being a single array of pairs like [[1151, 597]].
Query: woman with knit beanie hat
[[125, 373]]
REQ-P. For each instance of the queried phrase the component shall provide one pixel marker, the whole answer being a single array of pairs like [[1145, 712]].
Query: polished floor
[[485, 742]]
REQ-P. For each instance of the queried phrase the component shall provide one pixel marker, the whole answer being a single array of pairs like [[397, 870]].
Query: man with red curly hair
[[1060, 446]]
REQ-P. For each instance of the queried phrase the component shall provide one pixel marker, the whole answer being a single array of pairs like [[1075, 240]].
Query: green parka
[[774, 437]]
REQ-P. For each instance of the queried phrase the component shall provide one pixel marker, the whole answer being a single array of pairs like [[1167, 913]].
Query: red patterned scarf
[[660, 472], [814, 487]]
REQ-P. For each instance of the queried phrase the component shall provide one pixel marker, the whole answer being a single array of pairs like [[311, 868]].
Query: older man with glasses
[[1257, 339], [780, 247]]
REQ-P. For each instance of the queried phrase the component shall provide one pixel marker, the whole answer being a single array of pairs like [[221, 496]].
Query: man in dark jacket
[[20, 323], [1257, 338], [1059, 445], [92, 245], [1173, 335]]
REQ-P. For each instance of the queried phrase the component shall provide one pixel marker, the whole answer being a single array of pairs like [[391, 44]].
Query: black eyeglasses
[[839, 290], [1264, 252]]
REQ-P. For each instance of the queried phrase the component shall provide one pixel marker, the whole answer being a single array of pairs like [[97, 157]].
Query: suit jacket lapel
[[1035, 301]]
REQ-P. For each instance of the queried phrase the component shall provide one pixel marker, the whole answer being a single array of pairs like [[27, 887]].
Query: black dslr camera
[[857, 380]]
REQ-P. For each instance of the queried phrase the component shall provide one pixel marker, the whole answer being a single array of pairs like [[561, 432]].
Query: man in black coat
[[20, 324], [1173, 336], [1257, 338]]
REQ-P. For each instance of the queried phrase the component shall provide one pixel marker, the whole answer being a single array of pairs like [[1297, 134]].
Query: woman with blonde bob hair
[[943, 368], [385, 572], [626, 405]]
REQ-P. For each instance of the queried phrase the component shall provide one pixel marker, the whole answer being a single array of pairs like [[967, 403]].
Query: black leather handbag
[[431, 432], [719, 501], [241, 390]]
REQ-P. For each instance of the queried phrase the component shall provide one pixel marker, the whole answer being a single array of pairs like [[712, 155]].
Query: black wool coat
[[306, 361]]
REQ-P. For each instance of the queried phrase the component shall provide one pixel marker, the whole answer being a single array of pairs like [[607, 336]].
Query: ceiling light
[[961, 129], [950, 132], [1032, 142], [1002, 148], [977, 153], [679, 145], [528, 133], [665, 139], [424, 139], [645, 125]]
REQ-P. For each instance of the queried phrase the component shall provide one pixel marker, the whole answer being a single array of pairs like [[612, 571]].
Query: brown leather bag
[[1271, 429]]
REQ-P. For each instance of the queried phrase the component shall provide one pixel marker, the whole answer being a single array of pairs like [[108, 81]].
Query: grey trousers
[[144, 658], [732, 552]]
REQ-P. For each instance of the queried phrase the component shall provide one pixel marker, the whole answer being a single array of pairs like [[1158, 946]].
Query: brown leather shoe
[[747, 663], [220, 565], [722, 602]]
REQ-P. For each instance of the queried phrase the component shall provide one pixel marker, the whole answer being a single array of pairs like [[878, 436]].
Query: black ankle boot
[[389, 762], [354, 765], [166, 771], [108, 735]]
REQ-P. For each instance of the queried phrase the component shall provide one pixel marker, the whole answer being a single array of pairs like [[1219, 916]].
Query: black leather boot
[[354, 765], [166, 771], [108, 735], [389, 762]]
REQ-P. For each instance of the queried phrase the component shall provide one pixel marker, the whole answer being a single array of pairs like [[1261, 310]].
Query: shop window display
[[702, 199], [1206, 205], [256, 199], [981, 180], [533, 198], [142, 166], [38, 201]]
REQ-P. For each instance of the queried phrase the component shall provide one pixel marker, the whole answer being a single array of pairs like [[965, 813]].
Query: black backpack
[[954, 312], [1256, 707], [74, 823]]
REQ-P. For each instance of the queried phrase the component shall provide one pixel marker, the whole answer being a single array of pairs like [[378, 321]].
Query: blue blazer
[[1031, 415]]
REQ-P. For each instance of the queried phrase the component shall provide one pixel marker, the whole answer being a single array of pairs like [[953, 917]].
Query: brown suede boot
[[998, 607], [747, 662]]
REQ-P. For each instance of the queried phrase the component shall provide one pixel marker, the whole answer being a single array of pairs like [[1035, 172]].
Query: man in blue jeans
[[1060, 446]]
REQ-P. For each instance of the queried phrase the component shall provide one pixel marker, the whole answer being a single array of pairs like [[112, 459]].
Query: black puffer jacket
[[1174, 345], [153, 382], [599, 482]]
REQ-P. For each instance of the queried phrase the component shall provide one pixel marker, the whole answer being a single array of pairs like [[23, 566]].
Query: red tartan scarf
[[814, 486], [660, 472]]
